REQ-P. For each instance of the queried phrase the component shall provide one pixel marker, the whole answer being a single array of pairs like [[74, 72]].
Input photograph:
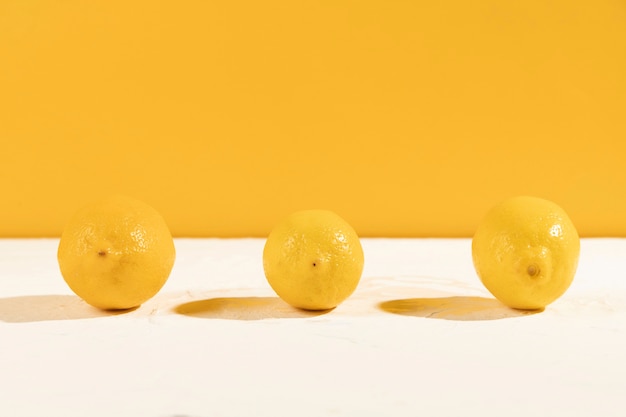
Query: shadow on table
[[244, 308], [33, 308], [454, 308]]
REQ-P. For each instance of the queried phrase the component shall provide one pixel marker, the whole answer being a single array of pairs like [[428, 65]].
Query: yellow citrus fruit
[[525, 252], [313, 259], [116, 253]]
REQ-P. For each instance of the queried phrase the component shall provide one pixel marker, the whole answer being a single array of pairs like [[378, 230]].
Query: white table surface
[[420, 336]]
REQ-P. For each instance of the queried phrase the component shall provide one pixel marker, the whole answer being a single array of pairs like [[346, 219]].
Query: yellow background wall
[[406, 118]]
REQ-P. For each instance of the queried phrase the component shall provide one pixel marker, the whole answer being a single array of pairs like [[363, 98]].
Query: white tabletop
[[420, 336]]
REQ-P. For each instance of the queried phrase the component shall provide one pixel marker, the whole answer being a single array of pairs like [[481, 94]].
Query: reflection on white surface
[[243, 308], [454, 308], [36, 308]]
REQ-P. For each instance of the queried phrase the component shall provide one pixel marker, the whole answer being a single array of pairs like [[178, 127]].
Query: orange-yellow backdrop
[[407, 118]]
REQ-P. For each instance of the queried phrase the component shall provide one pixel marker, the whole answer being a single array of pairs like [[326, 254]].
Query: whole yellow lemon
[[313, 259], [525, 252], [116, 253]]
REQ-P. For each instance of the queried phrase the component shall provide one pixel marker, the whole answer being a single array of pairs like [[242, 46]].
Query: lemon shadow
[[34, 308], [244, 308], [454, 308]]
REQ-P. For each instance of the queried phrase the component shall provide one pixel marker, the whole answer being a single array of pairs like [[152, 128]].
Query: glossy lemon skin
[[313, 259], [526, 252], [116, 253]]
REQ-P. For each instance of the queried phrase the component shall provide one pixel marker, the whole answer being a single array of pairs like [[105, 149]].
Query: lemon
[[525, 252], [116, 253], [313, 259]]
